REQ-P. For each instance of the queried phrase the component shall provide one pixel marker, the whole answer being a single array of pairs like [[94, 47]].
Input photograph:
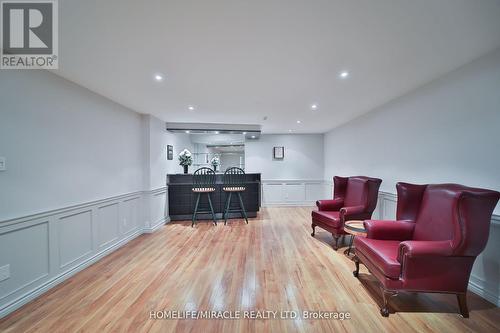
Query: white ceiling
[[238, 61]]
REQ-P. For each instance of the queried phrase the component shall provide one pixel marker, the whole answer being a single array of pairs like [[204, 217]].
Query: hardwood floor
[[270, 264]]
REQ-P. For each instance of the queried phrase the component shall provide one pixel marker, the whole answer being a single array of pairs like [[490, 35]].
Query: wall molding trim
[[495, 218], [72, 238], [292, 192], [39, 290], [156, 226]]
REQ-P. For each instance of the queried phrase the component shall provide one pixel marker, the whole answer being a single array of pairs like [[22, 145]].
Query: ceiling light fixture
[[159, 77], [298, 121], [191, 108], [290, 130], [244, 133], [216, 132], [253, 136], [314, 107], [187, 132], [344, 74]]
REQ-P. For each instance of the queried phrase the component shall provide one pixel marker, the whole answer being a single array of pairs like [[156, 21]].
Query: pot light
[[191, 108], [314, 107], [244, 133], [187, 132], [298, 121], [158, 77], [253, 136], [216, 132], [344, 74]]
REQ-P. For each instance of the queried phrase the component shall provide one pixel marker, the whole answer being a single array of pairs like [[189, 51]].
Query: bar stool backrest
[[204, 178], [234, 178]]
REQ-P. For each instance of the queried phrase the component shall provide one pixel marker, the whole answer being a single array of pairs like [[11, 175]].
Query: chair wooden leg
[[196, 209], [242, 207], [228, 203], [356, 263], [386, 294], [211, 209], [336, 246], [462, 304], [313, 226]]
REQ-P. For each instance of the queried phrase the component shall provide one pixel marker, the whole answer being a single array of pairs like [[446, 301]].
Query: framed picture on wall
[[170, 152], [279, 153]]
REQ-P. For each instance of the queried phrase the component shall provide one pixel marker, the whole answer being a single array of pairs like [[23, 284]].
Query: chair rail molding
[[46, 248]]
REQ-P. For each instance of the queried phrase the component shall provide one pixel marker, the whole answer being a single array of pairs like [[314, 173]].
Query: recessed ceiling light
[[216, 132], [190, 108], [344, 74], [253, 136], [298, 121], [314, 107], [187, 132], [159, 77], [244, 133]]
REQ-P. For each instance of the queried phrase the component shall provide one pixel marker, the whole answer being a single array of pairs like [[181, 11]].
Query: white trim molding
[[296, 192], [47, 248]]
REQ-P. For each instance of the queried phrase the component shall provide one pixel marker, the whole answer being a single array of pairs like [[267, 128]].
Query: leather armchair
[[355, 198], [439, 232]]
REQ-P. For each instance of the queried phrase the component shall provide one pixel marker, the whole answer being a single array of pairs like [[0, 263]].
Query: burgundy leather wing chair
[[439, 232], [355, 198]]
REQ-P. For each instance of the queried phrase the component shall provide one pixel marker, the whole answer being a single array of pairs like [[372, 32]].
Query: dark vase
[[185, 169]]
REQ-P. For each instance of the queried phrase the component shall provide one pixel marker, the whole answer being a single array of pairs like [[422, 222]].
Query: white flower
[[215, 161], [185, 152]]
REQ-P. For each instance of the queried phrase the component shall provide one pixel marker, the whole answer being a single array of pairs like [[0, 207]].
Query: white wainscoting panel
[[293, 192], [45, 249], [28, 264], [108, 224], [72, 248], [130, 215]]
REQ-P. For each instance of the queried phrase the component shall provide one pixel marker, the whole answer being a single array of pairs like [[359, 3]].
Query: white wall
[[303, 156], [446, 131], [74, 187], [295, 180], [64, 145], [158, 139]]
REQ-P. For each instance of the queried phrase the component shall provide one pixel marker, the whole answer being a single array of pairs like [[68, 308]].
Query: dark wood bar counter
[[181, 199]]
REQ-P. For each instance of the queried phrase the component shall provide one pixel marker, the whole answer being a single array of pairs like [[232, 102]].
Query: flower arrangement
[[185, 159], [215, 161]]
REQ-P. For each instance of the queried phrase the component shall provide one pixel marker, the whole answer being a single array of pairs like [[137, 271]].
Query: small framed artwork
[[279, 153], [170, 152]]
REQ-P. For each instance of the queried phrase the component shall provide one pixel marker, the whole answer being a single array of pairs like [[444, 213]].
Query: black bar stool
[[203, 183], [234, 182]]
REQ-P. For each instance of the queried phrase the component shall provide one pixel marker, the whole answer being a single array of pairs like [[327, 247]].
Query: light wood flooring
[[270, 264]]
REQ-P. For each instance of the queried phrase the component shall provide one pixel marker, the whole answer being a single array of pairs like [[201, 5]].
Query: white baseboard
[[156, 226], [479, 287], [290, 204], [31, 295]]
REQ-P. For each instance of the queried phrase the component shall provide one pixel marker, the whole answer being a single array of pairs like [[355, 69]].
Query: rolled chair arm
[[351, 210], [330, 205], [415, 249], [389, 230]]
